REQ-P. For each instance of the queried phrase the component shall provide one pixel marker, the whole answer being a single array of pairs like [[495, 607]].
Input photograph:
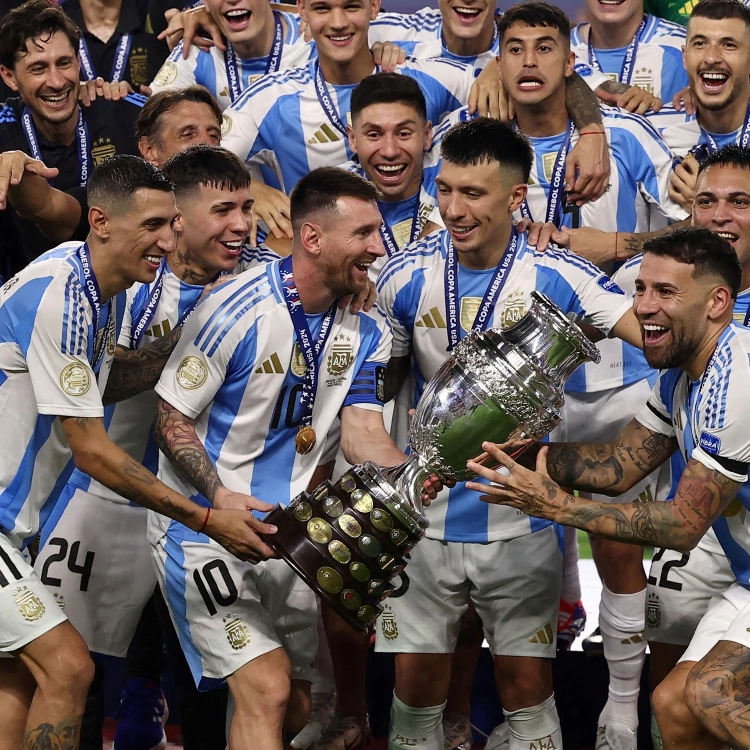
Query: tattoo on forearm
[[581, 102], [701, 495], [614, 87], [64, 736], [175, 435], [138, 370]]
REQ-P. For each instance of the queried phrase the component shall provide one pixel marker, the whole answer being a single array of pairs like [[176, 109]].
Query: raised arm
[[702, 494]]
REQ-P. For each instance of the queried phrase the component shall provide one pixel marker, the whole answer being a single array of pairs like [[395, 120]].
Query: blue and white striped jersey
[[281, 128], [637, 200], [656, 67], [420, 34], [398, 216], [210, 69], [129, 423], [237, 371], [709, 418], [681, 131], [411, 291], [48, 368]]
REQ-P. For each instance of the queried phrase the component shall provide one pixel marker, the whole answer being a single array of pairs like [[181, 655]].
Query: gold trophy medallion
[[305, 439]]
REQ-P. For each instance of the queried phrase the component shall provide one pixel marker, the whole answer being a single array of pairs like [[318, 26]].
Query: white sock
[[622, 620], [571, 585], [415, 728], [535, 728]]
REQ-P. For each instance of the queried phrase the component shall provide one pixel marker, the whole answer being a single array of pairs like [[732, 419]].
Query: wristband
[[592, 132], [205, 521]]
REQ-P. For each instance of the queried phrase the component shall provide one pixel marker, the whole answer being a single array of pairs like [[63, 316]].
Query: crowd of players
[[187, 236]]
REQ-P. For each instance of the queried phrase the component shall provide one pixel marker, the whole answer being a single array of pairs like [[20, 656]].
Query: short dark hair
[[483, 140], [211, 166], [321, 189], [35, 18], [149, 121], [115, 181], [729, 156], [710, 254], [535, 14], [720, 10], [388, 88]]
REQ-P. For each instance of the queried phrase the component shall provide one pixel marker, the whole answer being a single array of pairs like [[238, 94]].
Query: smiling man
[[686, 292], [259, 40], [39, 60]]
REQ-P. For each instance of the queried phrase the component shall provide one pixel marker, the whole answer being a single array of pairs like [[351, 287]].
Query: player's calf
[[260, 691], [716, 692], [60, 663]]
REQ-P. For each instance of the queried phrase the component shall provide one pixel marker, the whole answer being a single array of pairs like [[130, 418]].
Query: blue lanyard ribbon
[[118, 66], [273, 63], [93, 295], [744, 139], [310, 351], [491, 295], [386, 233], [153, 303], [324, 97], [628, 63], [557, 183], [82, 134]]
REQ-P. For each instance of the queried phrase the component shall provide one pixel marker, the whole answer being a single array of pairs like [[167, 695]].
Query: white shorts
[[227, 612], [727, 619], [680, 587], [96, 556], [27, 609], [514, 585], [599, 417]]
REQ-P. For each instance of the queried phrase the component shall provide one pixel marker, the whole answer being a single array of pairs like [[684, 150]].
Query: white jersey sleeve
[[575, 285], [656, 413], [57, 352], [126, 328], [176, 72]]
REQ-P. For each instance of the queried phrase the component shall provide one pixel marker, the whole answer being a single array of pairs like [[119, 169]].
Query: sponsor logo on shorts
[[543, 636], [710, 443], [653, 611], [192, 373], [29, 604], [388, 624], [237, 633], [75, 379]]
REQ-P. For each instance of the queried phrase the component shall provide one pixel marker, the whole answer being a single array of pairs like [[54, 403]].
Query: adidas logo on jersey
[[272, 366], [159, 330], [432, 319], [324, 134], [544, 636]]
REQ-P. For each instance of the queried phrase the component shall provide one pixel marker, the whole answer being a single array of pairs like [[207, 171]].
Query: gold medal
[[304, 442]]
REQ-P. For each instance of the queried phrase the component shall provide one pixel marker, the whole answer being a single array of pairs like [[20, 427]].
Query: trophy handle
[[407, 479]]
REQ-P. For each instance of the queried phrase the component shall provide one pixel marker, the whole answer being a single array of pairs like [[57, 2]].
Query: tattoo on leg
[[65, 736]]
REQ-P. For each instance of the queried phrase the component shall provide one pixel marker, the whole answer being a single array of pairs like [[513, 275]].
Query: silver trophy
[[348, 540]]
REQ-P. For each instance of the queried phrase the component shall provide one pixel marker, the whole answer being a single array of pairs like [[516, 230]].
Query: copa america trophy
[[348, 540]]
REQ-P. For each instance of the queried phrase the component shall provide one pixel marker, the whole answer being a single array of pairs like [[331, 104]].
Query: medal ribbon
[[324, 97], [118, 65], [93, 295], [273, 64], [153, 303], [626, 72], [744, 139], [491, 295], [311, 351], [82, 133], [554, 197], [386, 233]]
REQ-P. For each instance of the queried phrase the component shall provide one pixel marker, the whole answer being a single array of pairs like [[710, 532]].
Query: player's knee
[[69, 672], [262, 692], [525, 682], [668, 704]]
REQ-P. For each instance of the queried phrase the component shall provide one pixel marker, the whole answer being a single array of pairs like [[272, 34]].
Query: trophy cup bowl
[[347, 539]]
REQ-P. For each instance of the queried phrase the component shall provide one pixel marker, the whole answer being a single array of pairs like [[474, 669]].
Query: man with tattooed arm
[[685, 294]]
